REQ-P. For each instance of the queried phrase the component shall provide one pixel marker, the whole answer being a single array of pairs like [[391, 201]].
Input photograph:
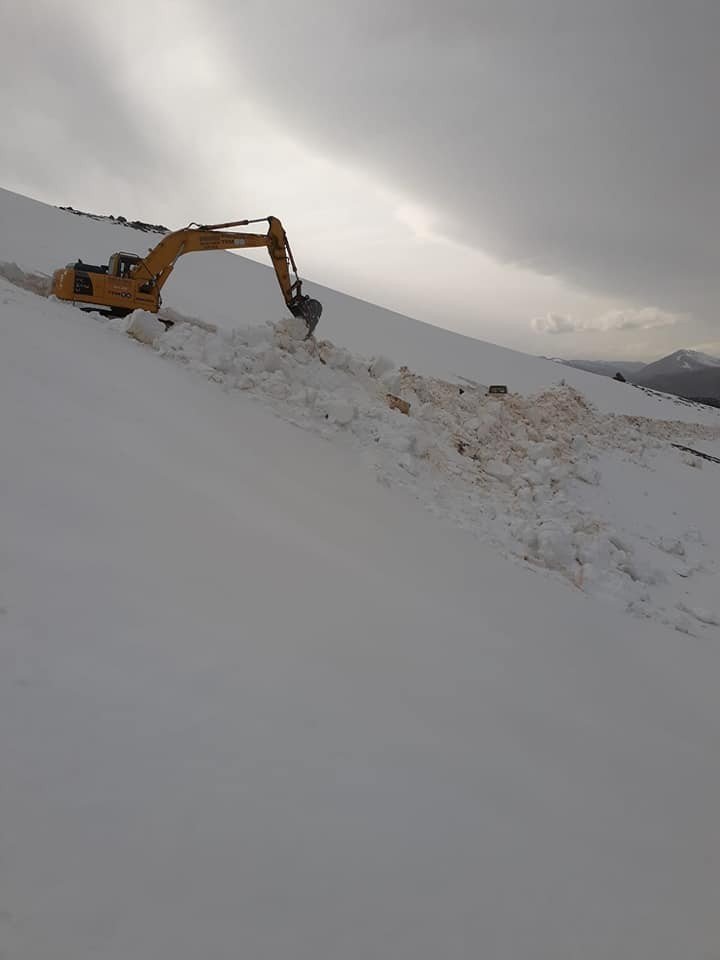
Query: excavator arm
[[153, 271]]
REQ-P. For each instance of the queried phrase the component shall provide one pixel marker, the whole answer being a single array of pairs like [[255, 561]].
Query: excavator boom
[[130, 283]]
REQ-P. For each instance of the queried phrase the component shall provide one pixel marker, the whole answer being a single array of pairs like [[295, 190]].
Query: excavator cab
[[120, 265]]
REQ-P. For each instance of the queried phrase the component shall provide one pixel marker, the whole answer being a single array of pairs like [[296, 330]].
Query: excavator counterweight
[[130, 282]]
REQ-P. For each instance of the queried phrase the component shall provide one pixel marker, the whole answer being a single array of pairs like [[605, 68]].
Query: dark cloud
[[577, 137]]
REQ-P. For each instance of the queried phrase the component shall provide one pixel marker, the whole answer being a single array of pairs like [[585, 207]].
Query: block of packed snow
[[555, 546], [379, 366], [340, 411], [294, 328], [145, 327]]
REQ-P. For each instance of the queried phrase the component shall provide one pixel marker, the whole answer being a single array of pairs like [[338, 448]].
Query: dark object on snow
[[134, 224], [397, 403], [696, 453], [620, 377], [497, 388], [707, 401]]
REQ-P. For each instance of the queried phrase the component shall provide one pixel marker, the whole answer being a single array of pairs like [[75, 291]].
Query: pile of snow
[[514, 470], [145, 327]]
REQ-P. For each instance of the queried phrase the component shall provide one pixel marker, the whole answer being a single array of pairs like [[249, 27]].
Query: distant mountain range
[[685, 373], [606, 368]]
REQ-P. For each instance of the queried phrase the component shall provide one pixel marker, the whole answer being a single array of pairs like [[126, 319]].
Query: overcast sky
[[540, 173]]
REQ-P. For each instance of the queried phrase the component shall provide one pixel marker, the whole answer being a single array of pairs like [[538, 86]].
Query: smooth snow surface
[[254, 702]]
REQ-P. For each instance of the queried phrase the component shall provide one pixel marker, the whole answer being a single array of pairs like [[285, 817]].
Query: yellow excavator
[[129, 282]]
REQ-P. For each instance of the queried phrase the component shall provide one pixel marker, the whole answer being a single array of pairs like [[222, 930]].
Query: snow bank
[[513, 470]]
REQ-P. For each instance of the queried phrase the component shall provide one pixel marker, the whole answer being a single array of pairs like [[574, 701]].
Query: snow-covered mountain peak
[[681, 361]]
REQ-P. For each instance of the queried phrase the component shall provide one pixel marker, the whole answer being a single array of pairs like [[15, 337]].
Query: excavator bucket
[[310, 310]]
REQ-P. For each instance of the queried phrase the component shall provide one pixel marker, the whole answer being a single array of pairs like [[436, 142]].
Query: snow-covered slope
[[254, 703], [229, 290]]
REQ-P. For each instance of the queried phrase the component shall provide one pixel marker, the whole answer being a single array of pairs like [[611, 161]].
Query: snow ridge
[[513, 470], [521, 471]]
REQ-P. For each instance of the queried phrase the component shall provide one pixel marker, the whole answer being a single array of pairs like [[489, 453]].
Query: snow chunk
[[555, 546], [380, 366], [340, 411], [294, 328], [145, 327]]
